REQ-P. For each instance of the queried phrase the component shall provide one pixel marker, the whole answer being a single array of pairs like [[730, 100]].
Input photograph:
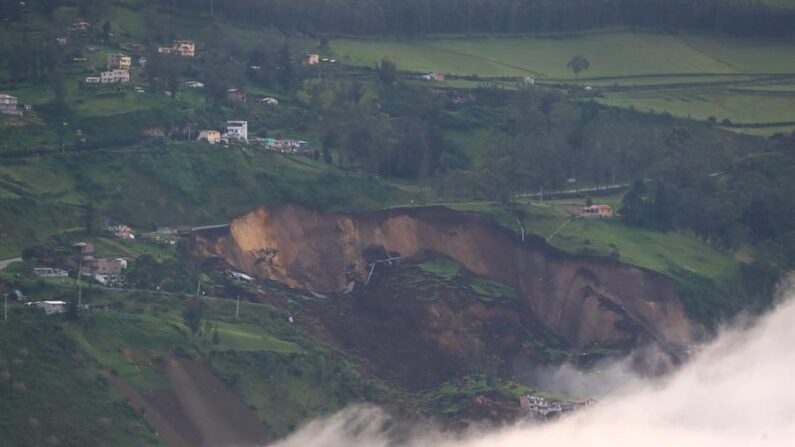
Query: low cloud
[[738, 391]]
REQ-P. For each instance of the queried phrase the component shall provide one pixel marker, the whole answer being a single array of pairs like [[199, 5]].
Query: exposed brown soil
[[422, 334], [197, 409], [585, 301]]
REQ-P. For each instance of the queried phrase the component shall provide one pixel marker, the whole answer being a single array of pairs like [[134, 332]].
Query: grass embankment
[[286, 377], [51, 393], [176, 184]]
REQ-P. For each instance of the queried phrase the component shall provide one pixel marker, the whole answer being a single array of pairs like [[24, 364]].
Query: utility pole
[[199, 285], [237, 309], [5, 311], [212, 10], [80, 285]]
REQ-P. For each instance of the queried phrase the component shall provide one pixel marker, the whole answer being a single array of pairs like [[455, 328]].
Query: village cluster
[[237, 131], [544, 409]]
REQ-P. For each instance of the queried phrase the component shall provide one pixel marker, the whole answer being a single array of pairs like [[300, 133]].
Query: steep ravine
[[586, 301]]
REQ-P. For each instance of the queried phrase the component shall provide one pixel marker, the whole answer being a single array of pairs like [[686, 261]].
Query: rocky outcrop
[[586, 301]]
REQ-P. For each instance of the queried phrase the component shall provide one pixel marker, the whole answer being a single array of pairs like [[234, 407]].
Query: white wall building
[[237, 130], [114, 76]]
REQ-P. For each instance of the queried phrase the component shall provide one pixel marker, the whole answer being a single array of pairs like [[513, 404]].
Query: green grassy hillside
[[177, 184], [52, 393]]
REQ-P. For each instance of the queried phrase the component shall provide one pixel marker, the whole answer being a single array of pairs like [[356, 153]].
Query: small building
[[49, 307], [237, 130], [311, 59], [538, 405], [268, 101], [114, 76], [120, 61], [235, 95], [597, 211], [61, 40], [111, 267], [529, 80], [49, 272], [81, 26], [9, 104], [194, 84], [86, 250], [167, 231], [79, 60], [186, 48], [122, 231], [436, 77], [210, 136], [93, 80]]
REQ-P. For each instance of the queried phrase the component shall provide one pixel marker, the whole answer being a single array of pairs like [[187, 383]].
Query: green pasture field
[[766, 104], [612, 55]]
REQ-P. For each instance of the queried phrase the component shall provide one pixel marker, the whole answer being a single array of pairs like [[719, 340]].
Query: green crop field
[[611, 55], [746, 106], [745, 81]]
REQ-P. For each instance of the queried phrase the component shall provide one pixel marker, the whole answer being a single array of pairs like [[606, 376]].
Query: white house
[[93, 79], [9, 104], [49, 307], [114, 76], [49, 272], [268, 101], [237, 130], [120, 61]]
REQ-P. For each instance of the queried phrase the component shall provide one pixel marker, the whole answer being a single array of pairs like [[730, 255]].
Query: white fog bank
[[739, 391]]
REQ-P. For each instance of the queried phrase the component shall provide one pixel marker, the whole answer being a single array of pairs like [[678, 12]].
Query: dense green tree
[[386, 72], [578, 64], [193, 314]]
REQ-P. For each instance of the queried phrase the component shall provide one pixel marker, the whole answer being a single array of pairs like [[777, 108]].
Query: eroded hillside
[[584, 301]]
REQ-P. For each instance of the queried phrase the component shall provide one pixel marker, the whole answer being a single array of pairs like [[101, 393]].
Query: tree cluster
[[743, 17]]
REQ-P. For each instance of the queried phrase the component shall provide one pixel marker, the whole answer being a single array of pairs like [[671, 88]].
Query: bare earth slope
[[586, 301]]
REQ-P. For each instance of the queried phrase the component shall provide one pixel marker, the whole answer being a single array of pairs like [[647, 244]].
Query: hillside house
[[185, 48], [236, 95], [114, 76], [268, 101], [9, 104], [122, 231], [237, 130], [210, 136], [110, 267], [529, 80], [49, 272], [597, 212], [194, 84], [311, 59], [49, 307], [93, 80], [81, 26], [435, 77], [119, 61], [538, 405]]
